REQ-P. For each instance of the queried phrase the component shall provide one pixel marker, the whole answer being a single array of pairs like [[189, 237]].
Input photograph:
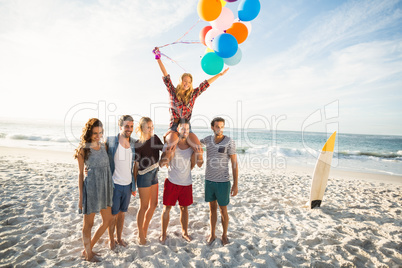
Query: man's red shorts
[[173, 193]]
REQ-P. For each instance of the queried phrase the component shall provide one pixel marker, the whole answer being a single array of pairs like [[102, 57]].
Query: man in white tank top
[[121, 152], [178, 185]]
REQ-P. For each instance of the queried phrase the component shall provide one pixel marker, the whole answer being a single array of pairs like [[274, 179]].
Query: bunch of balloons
[[224, 34]]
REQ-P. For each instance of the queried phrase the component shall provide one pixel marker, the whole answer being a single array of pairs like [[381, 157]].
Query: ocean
[[255, 147]]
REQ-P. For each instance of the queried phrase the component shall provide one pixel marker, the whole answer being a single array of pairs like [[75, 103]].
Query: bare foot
[[121, 242], [186, 237], [225, 240], [162, 238], [141, 241], [210, 240], [112, 244], [83, 254], [92, 257]]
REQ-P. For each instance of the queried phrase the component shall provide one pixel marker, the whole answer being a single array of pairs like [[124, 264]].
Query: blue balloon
[[211, 63], [235, 59], [225, 45], [248, 9]]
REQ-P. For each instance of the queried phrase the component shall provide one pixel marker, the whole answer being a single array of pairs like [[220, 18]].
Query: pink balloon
[[224, 21], [247, 23], [211, 34]]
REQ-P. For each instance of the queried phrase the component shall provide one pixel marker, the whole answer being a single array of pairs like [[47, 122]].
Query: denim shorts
[[121, 198], [175, 125], [148, 179]]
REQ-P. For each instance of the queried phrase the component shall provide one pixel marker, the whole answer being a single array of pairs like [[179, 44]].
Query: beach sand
[[359, 223]]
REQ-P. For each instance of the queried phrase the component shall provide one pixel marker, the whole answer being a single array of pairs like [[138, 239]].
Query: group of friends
[[110, 172]]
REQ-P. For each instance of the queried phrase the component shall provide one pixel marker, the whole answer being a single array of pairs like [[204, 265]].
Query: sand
[[358, 225]]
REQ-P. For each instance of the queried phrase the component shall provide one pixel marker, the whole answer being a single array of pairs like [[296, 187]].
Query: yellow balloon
[[223, 3], [208, 50]]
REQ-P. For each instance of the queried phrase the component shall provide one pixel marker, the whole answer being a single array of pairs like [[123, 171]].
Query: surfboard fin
[[315, 203]]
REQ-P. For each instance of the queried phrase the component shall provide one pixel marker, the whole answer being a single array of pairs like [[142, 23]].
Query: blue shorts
[[148, 179], [175, 125], [121, 198]]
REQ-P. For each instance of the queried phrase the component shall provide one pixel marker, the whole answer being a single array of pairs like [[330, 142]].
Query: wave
[[308, 152], [279, 151], [32, 138], [383, 155], [252, 150]]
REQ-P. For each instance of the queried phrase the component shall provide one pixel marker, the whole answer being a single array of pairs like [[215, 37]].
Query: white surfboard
[[321, 173]]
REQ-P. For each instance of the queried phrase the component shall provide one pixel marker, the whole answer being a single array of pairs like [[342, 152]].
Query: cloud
[[351, 54], [49, 46], [297, 57]]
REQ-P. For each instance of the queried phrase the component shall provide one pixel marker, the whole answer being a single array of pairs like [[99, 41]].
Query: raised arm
[[213, 78], [158, 58]]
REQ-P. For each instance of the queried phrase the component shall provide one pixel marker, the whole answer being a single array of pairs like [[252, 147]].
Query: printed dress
[[98, 185]]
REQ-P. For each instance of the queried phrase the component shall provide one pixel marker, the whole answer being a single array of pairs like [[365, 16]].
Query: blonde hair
[[140, 128], [184, 96]]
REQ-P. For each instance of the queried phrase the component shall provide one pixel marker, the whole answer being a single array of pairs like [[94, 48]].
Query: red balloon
[[203, 32]]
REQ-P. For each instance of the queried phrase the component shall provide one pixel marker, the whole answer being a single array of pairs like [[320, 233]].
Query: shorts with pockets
[[121, 198]]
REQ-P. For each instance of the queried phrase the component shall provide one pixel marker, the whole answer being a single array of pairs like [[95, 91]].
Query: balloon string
[[173, 61], [183, 42]]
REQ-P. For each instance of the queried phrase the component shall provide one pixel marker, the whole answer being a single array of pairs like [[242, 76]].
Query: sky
[[307, 65]]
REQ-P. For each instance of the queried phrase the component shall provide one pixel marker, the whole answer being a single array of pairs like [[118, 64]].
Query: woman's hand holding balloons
[[157, 53]]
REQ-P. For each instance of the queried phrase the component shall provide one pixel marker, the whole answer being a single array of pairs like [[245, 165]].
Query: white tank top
[[179, 171], [122, 163]]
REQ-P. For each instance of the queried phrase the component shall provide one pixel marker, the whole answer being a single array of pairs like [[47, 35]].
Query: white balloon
[[224, 21], [211, 34]]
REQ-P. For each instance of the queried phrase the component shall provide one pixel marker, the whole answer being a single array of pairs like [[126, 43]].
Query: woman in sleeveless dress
[[96, 188]]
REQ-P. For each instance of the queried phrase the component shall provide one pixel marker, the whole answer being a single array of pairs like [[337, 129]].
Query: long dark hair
[[86, 137]]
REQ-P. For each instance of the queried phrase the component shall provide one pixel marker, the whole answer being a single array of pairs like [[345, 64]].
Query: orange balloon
[[209, 10], [203, 32], [239, 31]]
